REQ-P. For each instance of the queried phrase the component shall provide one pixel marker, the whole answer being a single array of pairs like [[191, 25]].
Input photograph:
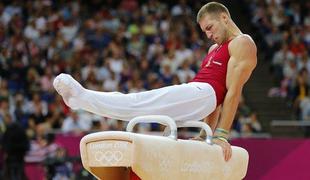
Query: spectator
[[41, 147], [280, 58], [59, 166], [300, 91], [19, 109], [297, 47], [111, 83], [246, 123], [15, 144], [75, 124], [37, 109], [185, 73], [305, 108]]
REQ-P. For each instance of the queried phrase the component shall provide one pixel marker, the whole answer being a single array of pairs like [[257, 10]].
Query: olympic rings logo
[[108, 157]]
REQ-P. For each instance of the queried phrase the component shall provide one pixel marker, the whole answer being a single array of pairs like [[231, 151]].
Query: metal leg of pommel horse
[[119, 155]]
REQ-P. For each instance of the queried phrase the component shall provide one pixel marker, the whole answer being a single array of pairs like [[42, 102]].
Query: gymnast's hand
[[227, 151]]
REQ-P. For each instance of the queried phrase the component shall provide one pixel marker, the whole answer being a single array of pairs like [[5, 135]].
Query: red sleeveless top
[[213, 70]]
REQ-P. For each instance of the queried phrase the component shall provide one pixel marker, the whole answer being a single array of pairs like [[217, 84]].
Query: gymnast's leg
[[191, 101]]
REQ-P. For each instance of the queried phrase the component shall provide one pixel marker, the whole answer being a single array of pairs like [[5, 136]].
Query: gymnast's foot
[[69, 89]]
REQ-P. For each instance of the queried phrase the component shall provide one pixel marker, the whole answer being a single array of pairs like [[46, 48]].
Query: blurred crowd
[[285, 25], [127, 46]]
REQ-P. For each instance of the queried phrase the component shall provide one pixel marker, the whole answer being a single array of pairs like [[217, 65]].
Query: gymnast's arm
[[240, 66]]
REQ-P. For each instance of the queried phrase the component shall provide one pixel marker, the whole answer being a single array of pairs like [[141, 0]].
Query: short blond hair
[[213, 8]]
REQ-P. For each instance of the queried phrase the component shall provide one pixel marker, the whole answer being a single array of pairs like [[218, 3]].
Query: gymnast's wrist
[[221, 138], [221, 130], [221, 133]]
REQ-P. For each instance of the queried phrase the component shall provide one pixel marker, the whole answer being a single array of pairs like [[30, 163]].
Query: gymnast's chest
[[218, 58]]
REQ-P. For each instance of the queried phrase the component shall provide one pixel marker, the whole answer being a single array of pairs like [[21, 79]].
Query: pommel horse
[[117, 155]]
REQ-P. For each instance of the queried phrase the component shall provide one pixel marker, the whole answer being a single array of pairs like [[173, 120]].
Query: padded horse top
[[108, 155]]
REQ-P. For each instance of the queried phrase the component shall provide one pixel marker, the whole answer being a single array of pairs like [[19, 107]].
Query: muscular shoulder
[[243, 48], [242, 61], [242, 44]]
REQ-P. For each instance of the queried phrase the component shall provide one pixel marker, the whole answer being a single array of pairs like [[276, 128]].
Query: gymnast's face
[[215, 27]]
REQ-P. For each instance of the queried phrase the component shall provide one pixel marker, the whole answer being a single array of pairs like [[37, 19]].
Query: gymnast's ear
[[224, 17]]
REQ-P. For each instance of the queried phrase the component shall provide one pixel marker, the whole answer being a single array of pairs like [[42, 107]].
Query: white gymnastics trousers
[[184, 102]]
